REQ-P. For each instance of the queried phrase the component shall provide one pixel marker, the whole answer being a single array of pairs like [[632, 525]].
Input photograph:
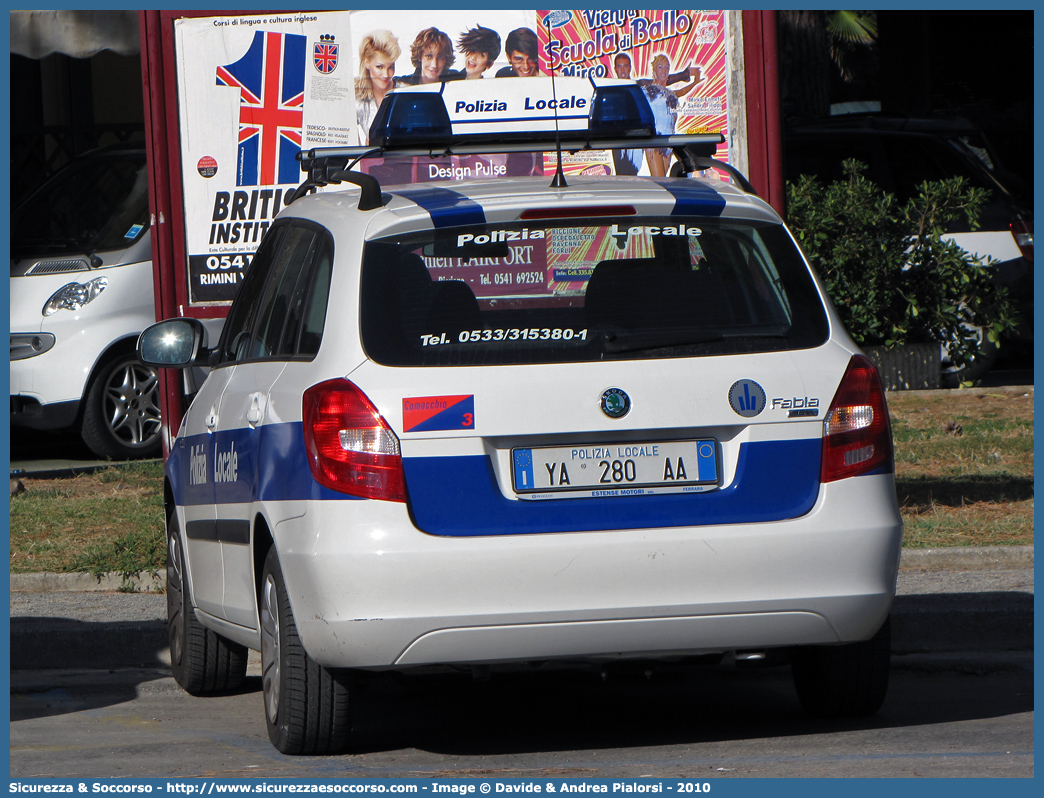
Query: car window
[[915, 160], [569, 292], [280, 310], [235, 335], [292, 258], [304, 332]]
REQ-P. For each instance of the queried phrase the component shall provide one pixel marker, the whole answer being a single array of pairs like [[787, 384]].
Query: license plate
[[619, 469]]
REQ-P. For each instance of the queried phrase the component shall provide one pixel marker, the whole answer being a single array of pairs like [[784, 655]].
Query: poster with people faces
[[403, 48], [255, 89], [677, 57]]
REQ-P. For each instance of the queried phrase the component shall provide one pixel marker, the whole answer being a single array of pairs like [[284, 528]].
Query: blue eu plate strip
[[706, 462], [524, 469]]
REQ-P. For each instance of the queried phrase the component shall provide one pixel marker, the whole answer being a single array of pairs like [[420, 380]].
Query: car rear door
[[267, 335]]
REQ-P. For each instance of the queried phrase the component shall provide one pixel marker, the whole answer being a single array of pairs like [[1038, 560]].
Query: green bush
[[891, 275]]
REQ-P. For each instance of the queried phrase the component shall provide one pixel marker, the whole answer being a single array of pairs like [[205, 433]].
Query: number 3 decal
[[469, 420]]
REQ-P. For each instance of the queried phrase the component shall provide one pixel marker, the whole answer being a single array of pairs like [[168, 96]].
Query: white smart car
[[489, 422], [81, 293]]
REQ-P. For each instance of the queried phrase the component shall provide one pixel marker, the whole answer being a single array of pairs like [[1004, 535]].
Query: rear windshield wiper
[[613, 342]]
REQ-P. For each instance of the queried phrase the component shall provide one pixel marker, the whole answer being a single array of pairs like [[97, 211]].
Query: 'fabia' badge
[[615, 403], [747, 398]]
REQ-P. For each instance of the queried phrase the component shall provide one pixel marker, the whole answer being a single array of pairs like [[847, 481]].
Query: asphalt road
[[960, 703], [955, 721]]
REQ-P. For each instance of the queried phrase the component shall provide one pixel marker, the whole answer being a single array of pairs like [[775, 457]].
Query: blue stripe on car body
[[283, 473], [459, 496], [692, 197], [447, 208]]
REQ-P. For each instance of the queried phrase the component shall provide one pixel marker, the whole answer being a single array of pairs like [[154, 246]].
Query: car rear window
[[573, 291]]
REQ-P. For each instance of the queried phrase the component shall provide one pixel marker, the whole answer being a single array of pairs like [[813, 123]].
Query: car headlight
[[74, 296]]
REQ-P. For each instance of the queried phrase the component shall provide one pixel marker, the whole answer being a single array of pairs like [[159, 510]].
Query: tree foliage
[[893, 277], [820, 49]]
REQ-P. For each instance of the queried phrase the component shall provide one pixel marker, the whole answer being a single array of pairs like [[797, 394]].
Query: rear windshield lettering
[[514, 334], [499, 236], [646, 230]]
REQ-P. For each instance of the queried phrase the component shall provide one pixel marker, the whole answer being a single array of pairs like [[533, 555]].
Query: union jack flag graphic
[[270, 79], [324, 56]]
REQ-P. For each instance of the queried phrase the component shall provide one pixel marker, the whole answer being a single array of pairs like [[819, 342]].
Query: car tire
[[307, 706], [203, 662], [844, 681], [121, 414]]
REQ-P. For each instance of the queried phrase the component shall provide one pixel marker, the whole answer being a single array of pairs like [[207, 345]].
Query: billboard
[[255, 89], [252, 92]]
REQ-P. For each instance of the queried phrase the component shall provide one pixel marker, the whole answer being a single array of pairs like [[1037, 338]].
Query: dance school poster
[[625, 44]]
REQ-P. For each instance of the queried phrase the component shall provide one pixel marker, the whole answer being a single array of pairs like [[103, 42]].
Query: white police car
[[492, 422]]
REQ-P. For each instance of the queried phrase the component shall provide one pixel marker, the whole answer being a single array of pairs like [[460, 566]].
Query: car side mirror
[[174, 343]]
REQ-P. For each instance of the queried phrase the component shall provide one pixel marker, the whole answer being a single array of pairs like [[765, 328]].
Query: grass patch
[[964, 477], [107, 521], [964, 467]]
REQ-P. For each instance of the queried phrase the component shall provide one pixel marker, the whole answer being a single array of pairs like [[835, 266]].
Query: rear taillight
[[351, 448], [1023, 232], [857, 436]]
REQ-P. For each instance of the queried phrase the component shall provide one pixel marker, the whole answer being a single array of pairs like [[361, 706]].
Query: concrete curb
[[43, 582], [969, 557], [974, 391]]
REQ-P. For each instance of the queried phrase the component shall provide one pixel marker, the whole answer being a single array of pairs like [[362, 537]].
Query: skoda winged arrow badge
[[615, 403]]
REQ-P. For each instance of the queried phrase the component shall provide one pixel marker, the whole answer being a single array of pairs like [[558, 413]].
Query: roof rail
[[336, 168], [333, 165], [691, 159]]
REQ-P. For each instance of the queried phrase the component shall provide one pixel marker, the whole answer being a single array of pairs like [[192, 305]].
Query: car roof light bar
[[469, 110], [525, 115]]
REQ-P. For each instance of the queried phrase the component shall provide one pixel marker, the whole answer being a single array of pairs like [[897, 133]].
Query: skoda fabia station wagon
[[490, 422]]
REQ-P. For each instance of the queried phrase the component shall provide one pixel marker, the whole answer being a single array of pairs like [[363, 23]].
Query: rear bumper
[[370, 591]]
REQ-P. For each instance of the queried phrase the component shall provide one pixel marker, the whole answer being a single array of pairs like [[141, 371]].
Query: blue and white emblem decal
[[747, 398], [615, 403]]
